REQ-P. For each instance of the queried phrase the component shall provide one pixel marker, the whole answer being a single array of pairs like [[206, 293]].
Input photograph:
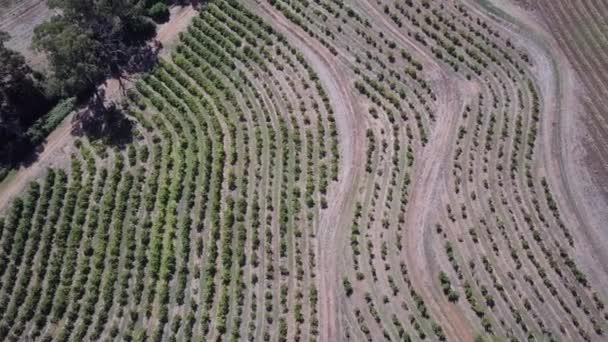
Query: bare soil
[[55, 153]]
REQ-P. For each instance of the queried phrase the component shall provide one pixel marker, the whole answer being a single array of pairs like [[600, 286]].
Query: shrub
[[348, 288], [159, 12], [46, 124]]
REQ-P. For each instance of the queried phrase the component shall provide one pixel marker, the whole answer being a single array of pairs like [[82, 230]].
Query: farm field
[[328, 170]]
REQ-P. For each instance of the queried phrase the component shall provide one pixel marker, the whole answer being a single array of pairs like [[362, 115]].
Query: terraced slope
[[316, 170]]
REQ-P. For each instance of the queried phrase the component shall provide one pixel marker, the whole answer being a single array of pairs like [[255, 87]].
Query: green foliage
[[45, 125], [348, 288], [76, 56], [21, 102], [89, 41], [446, 286], [479, 338], [119, 253], [13, 69], [159, 12]]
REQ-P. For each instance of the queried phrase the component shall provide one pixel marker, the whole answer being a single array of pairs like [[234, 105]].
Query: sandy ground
[[59, 144], [583, 161]]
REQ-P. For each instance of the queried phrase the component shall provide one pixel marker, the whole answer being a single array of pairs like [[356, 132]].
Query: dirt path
[[428, 180], [168, 32], [350, 133], [59, 144]]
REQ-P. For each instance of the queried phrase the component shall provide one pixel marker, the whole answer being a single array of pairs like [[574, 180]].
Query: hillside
[[329, 170]]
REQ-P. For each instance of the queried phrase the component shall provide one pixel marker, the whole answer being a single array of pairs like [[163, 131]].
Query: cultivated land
[[330, 170]]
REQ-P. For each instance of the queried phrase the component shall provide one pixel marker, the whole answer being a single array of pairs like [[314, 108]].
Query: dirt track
[[430, 177], [351, 159]]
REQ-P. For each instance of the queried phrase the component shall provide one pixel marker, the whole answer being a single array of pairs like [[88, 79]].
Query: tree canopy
[[13, 68], [14, 73], [92, 40], [20, 100]]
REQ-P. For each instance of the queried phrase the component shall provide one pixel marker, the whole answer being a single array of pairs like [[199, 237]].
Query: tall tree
[[91, 40], [13, 68], [74, 55], [13, 75]]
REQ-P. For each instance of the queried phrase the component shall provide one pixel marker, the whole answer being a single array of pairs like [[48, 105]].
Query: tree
[[20, 101], [348, 288], [76, 57], [159, 12], [13, 71], [92, 40]]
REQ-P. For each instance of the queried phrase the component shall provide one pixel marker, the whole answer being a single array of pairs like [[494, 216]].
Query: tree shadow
[[31, 157], [104, 121], [139, 59]]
